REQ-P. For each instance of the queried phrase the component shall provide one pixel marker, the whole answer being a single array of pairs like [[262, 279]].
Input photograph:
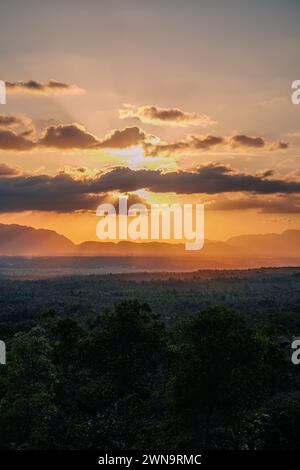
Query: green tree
[[27, 382], [219, 369], [275, 426], [124, 355]]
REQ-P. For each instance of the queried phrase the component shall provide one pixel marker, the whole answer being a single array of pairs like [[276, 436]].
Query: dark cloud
[[6, 170], [265, 173], [60, 193], [280, 145], [9, 121], [210, 179], [163, 116], [128, 137], [12, 140], [257, 143], [35, 87], [274, 205], [192, 143], [9, 140], [246, 141], [65, 193], [69, 136], [74, 136]]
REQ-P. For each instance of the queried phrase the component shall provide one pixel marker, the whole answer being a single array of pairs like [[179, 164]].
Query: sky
[[165, 101]]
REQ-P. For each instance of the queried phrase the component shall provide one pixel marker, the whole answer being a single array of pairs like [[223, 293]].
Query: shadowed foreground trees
[[124, 381], [27, 384], [220, 370]]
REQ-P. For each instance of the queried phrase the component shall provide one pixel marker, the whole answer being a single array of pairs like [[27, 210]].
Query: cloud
[[64, 193], [210, 179], [128, 137], [243, 140], [6, 170], [10, 121], [34, 87], [272, 205], [71, 136], [16, 141], [246, 141], [191, 144], [151, 114], [281, 145], [112, 198], [196, 143], [59, 193], [265, 173], [9, 140], [75, 136]]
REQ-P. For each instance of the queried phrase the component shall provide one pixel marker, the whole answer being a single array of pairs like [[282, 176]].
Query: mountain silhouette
[[249, 250]]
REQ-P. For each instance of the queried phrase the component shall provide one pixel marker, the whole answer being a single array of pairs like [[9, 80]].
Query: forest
[[153, 361]]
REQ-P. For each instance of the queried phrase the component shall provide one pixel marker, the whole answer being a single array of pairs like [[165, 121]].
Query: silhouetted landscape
[[151, 360], [237, 252], [149, 232], [111, 347]]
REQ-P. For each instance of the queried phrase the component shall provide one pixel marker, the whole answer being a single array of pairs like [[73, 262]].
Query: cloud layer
[[66, 137], [195, 144], [64, 193], [278, 204], [75, 136]]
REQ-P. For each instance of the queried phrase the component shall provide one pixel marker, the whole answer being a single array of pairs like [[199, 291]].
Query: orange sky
[[214, 99]]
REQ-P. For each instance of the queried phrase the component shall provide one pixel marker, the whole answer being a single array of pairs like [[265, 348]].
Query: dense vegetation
[[125, 376], [257, 293]]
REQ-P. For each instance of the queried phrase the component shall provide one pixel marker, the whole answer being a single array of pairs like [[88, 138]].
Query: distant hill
[[273, 244], [245, 250], [18, 240], [154, 249]]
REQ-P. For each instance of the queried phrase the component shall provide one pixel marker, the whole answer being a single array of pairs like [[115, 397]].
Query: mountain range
[[262, 249]]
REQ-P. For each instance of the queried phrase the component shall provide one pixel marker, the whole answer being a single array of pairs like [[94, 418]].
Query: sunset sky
[[166, 101]]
